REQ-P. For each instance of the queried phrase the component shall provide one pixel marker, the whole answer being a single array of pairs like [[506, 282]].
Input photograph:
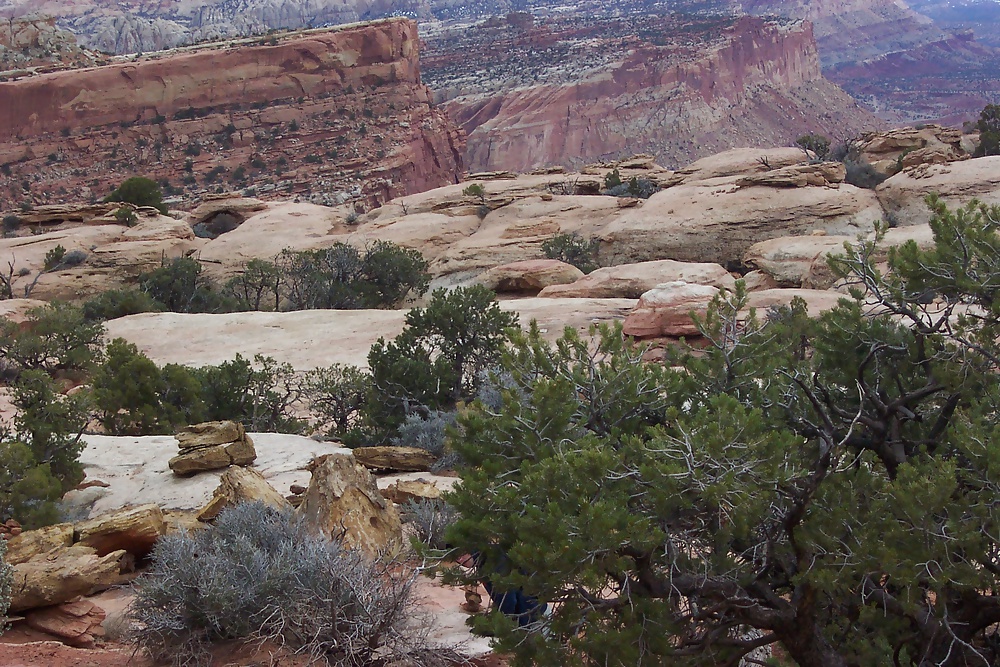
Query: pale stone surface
[[16, 310], [630, 281], [343, 502], [741, 161], [717, 220], [957, 183], [132, 529], [309, 339], [666, 310], [530, 275], [136, 470], [404, 491]]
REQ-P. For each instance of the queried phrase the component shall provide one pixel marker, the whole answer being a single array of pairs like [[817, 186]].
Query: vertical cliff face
[[336, 113], [759, 83]]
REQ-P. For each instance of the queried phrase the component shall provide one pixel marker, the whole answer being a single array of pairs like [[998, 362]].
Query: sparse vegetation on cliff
[[574, 249], [140, 191], [989, 131]]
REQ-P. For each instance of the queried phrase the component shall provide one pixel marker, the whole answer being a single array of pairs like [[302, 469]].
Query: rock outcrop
[[902, 196], [339, 113], [211, 446], [665, 310], [76, 623], [343, 502], [529, 276], [630, 281], [132, 529]]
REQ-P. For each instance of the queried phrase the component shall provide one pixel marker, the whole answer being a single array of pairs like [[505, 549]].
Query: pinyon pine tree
[[827, 484]]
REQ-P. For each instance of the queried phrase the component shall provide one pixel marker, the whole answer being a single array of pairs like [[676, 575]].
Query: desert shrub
[[180, 287], [260, 394], [11, 223], [73, 258], [112, 304], [259, 572], [126, 216], [54, 257], [56, 338], [429, 432], [573, 249], [257, 287], [989, 131], [39, 458], [430, 520], [643, 188], [612, 179], [140, 191], [861, 174], [6, 584], [133, 396], [336, 394], [817, 144], [475, 190], [344, 277], [439, 357]]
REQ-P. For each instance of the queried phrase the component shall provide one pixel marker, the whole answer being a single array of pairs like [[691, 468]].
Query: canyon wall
[[332, 113], [757, 84]]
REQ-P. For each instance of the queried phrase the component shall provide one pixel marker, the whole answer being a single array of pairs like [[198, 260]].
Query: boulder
[[530, 275], [758, 280], [211, 446], [788, 259], [817, 301], [209, 433], [666, 310], [238, 207], [798, 176], [403, 459], [630, 281], [63, 574], [133, 529], [403, 491], [956, 183], [76, 623], [30, 543], [740, 161], [928, 144], [718, 220], [240, 485], [343, 502]]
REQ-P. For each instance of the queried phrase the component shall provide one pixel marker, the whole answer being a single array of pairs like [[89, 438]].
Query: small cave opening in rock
[[218, 224]]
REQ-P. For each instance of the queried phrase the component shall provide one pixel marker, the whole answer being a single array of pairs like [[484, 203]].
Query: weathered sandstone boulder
[[86, 214], [717, 220], [76, 623], [133, 529], [31, 543], [404, 491], [666, 310], [530, 275], [758, 280], [63, 574], [741, 161], [343, 502], [798, 176], [401, 459], [630, 281], [817, 301], [957, 183], [211, 446], [801, 261], [241, 485], [927, 145], [16, 310], [233, 205]]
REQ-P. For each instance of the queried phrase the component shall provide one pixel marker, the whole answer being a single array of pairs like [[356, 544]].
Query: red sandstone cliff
[[321, 113], [759, 84]]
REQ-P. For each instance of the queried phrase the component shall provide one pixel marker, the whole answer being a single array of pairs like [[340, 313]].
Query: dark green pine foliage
[[828, 484]]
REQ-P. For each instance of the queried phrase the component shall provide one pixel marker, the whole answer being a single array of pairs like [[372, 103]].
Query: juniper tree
[[825, 483]]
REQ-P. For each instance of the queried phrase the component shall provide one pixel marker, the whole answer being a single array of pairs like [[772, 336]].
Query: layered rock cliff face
[[748, 83], [329, 115]]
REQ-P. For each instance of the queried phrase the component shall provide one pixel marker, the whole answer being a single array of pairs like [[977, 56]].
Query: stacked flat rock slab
[[76, 623], [63, 574], [211, 446], [403, 459]]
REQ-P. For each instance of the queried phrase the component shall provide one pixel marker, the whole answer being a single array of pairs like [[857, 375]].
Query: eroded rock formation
[[332, 115]]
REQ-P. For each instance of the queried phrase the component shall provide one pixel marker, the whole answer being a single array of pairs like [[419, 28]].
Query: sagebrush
[[259, 573]]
